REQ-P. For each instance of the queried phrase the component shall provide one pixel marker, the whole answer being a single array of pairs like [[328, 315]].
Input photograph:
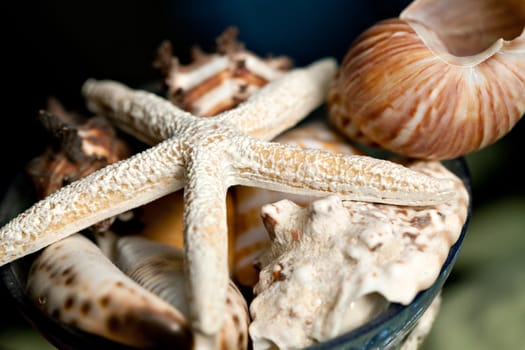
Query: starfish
[[205, 156]]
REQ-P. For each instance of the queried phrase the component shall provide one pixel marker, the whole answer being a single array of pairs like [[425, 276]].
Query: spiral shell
[[443, 80]]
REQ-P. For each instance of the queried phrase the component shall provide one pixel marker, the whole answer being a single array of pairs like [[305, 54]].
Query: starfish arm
[[146, 116], [283, 102], [111, 190], [289, 168], [206, 244]]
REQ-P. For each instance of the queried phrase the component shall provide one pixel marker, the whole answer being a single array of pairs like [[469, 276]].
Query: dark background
[[52, 47]]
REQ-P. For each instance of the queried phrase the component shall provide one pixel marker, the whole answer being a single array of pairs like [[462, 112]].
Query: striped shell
[[443, 80], [159, 268], [214, 83], [251, 237]]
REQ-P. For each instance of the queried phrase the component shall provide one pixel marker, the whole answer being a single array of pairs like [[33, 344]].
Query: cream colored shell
[[159, 268], [334, 265], [444, 79]]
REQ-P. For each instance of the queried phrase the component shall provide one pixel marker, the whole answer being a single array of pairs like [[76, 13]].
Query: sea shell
[[214, 83], [84, 145], [333, 265], [159, 268], [81, 146], [73, 281], [445, 79], [251, 237]]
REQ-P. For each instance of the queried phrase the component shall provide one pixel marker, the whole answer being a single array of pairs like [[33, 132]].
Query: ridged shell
[[161, 221], [159, 268], [251, 237], [445, 79], [213, 83]]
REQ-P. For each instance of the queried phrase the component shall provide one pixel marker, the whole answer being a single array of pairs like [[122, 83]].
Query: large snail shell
[[444, 79]]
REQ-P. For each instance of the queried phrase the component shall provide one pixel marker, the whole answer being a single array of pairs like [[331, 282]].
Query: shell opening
[[466, 27]]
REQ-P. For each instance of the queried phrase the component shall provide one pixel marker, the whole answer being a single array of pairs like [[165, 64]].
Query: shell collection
[[206, 156], [360, 233], [444, 79]]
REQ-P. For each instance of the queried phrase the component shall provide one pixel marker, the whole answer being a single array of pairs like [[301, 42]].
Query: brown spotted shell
[[72, 281], [159, 268], [444, 79]]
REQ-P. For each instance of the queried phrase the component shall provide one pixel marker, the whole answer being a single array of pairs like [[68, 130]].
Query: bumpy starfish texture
[[205, 157]]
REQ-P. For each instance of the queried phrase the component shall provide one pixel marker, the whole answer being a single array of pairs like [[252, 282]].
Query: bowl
[[386, 331]]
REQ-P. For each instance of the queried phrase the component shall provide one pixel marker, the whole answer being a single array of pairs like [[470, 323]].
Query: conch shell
[[443, 80], [335, 265]]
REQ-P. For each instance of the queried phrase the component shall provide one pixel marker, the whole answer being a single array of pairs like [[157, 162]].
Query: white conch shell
[[333, 267], [444, 79], [159, 268], [251, 235], [73, 281]]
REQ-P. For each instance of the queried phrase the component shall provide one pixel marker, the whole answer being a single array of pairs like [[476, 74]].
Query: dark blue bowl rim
[[387, 330]]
